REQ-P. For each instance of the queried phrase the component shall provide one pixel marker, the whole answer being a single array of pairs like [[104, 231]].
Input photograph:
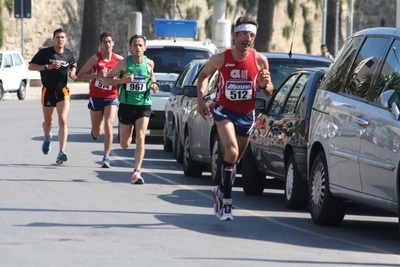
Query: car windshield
[[281, 69], [173, 59]]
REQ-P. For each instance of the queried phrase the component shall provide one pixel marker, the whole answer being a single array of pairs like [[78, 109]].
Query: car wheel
[[166, 140], [1, 91], [398, 213], [252, 179], [325, 209], [296, 188], [191, 168], [21, 93], [179, 150], [217, 160]]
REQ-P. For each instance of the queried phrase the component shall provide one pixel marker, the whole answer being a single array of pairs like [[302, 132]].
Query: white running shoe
[[226, 213], [217, 201], [137, 178]]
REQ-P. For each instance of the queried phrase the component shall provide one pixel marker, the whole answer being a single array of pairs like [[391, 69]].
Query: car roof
[[196, 45], [311, 69], [306, 57], [199, 61], [379, 31]]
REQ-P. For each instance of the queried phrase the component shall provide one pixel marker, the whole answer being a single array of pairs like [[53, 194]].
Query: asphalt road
[[79, 214]]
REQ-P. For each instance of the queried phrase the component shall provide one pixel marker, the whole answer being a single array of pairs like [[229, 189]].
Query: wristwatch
[[45, 66], [156, 83], [263, 88]]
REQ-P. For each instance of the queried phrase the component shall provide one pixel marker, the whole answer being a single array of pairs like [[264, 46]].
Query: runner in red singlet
[[241, 70], [103, 100]]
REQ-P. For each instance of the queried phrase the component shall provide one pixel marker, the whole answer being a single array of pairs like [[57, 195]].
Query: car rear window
[[281, 69], [172, 59]]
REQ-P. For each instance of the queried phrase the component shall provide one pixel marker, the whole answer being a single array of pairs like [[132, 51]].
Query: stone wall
[[47, 15]]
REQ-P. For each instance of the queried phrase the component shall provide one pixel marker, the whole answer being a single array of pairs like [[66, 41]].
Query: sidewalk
[[79, 90]]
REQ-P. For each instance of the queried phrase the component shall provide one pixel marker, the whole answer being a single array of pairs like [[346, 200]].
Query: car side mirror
[[390, 99], [176, 91], [190, 90], [260, 104]]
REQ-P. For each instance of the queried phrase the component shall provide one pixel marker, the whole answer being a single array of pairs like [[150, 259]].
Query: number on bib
[[238, 90]]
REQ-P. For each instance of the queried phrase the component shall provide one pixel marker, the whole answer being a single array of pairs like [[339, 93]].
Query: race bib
[[99, 83], [236, 90], [138, 84]]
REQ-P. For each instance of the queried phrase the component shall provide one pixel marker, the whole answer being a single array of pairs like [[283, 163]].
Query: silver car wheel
[[318, 186], [289, 181]]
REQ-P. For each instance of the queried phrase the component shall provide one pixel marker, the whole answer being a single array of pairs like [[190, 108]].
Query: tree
[[265, 17], [91, 23]]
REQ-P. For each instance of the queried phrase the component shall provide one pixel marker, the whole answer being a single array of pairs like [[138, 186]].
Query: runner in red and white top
[[237, 83], [103, 100], [241, 70], [97, 89]]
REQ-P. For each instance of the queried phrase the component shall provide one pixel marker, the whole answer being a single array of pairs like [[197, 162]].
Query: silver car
[[354, 152]]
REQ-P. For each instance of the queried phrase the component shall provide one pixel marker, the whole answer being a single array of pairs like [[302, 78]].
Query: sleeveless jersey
[[236, 87], [138, 91], [97, 89]]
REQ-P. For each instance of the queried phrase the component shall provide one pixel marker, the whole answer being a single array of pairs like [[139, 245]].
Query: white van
[[170, 57]]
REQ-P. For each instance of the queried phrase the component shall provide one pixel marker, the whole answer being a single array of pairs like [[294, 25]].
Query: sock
[[227, 201], [226, 180]]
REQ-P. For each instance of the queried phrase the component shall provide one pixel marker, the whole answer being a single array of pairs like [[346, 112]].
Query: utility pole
[[398, 14], [324, 10], [22, 28], [218, 14], [351, 15], [338, 2], [174, 9], [22, 9]]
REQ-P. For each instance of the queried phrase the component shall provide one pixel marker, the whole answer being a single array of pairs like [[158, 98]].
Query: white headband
[[246, 28]]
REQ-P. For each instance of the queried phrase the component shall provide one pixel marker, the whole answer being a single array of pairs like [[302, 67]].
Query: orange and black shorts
[[51, 97]]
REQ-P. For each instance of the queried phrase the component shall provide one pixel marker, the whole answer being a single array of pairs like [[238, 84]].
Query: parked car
[[182, 108], [201, 146], [175, 99], [278, 144], [359, 96], [13, 74], [170, 57]]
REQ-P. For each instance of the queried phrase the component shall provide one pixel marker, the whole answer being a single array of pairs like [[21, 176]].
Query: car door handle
[[360, 121]]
